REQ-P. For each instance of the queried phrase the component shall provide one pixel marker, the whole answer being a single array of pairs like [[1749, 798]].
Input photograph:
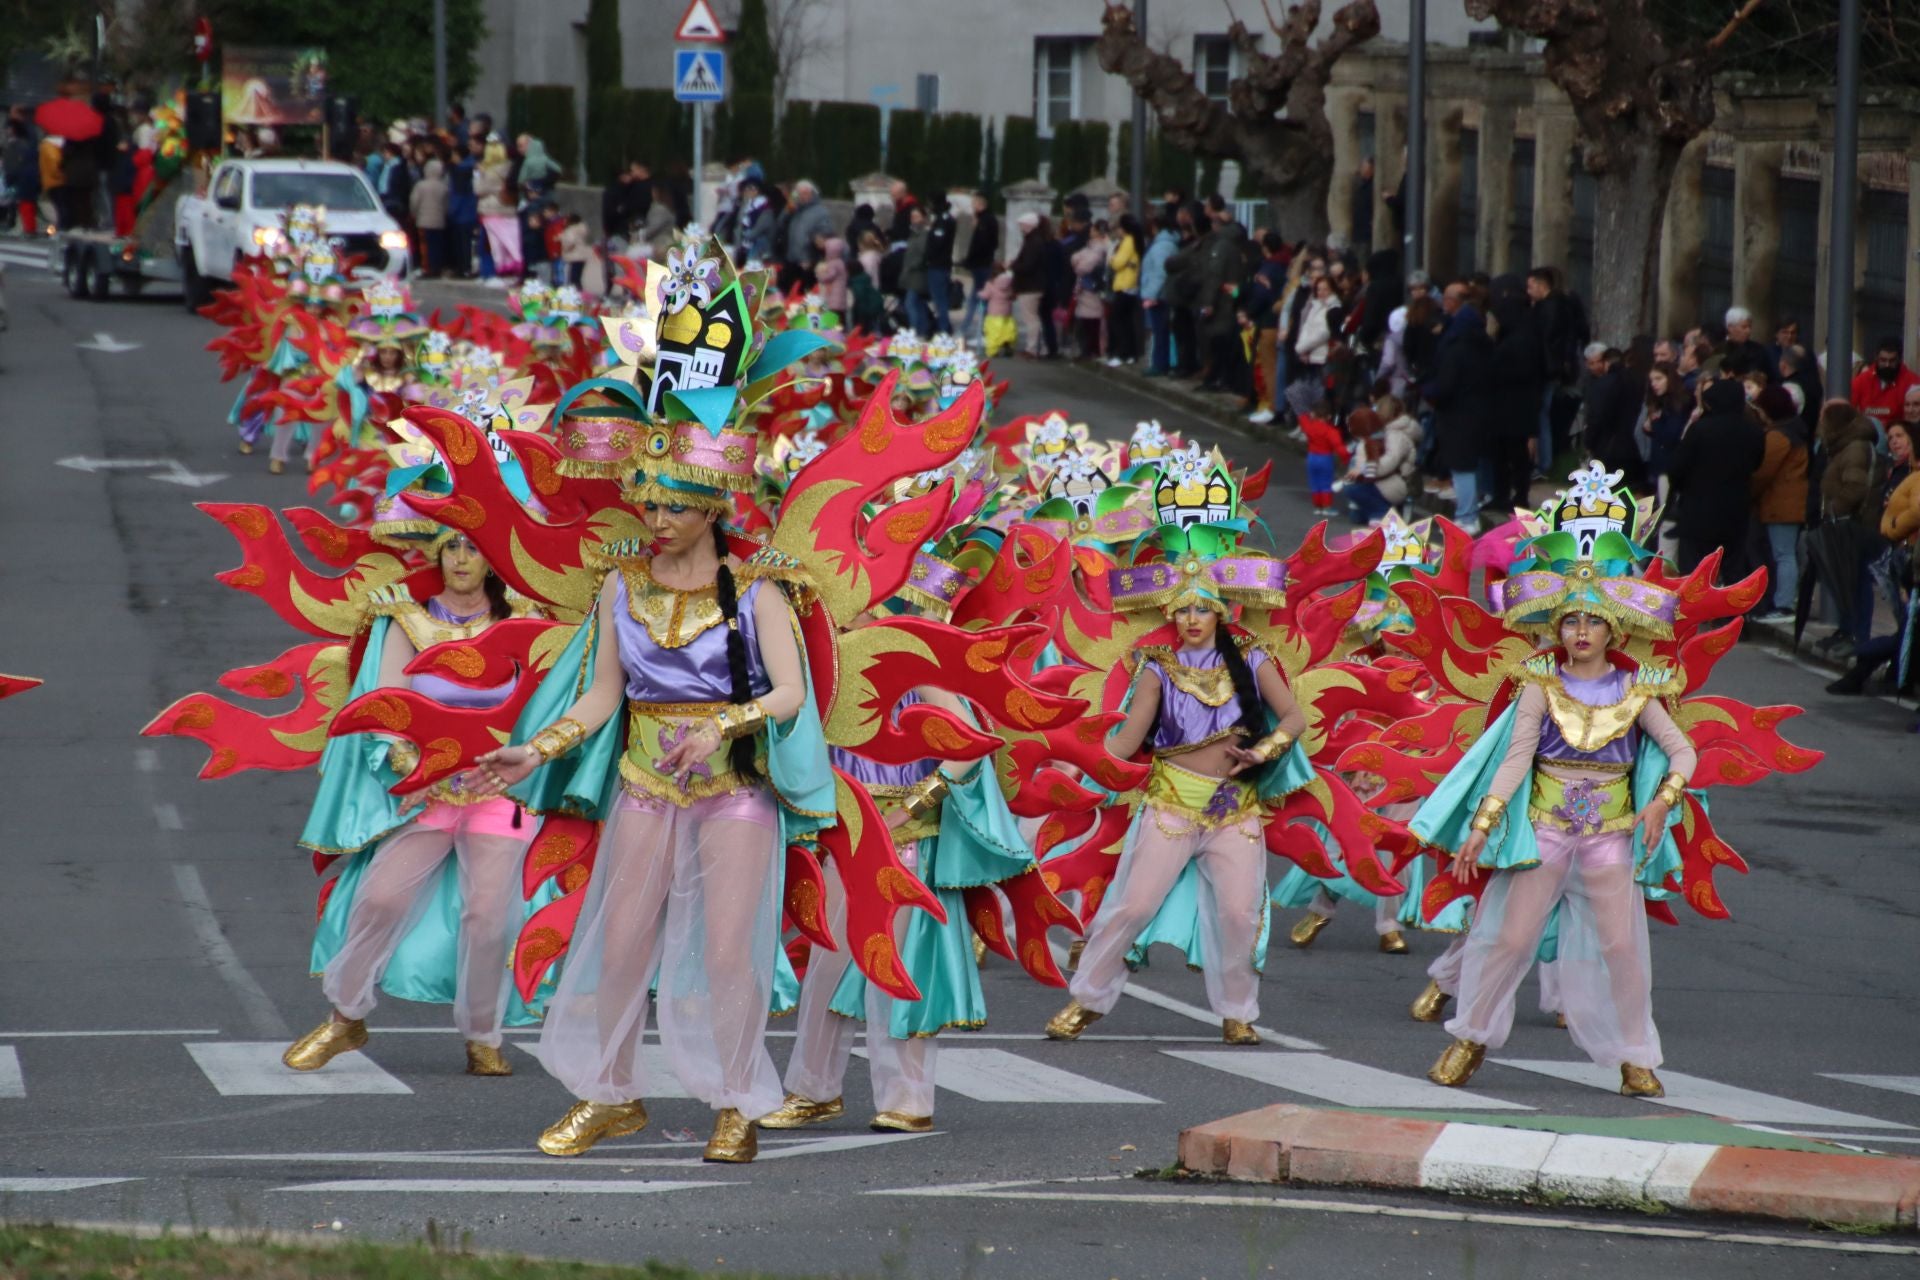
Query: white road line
[[1345, 1084], [1293, 1204], [1147, 995], [146, 760], [168, 816], [504, 1186], [32, 1186], [253, 998], [1894, 1084], [252, 1069], [86, 1035], [12, 1083], [529, 1156], [994, 1075], [1709, 1097], [845, 1142]]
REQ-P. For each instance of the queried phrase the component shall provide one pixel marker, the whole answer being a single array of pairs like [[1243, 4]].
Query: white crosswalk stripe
[[252, 1069], [994, 1075], [1710, 1097], [1345, 1084], [12, 1083], [35, 1186], [1893, 1084]]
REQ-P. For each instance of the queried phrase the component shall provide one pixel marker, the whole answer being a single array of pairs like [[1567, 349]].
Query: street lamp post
[[1846, 173], [439, 63], [1413, 210]]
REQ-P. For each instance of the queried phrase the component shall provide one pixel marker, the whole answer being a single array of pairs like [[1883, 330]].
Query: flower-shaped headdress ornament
[[1588, 561], [1198, 502]]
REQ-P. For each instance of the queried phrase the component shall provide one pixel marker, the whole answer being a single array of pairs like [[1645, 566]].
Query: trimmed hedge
[[1168, 167], [1078, 154], [990, 167], [1019, 151], [638, 124], [548, 112], [908, 148], [743, 126], [846, 144]]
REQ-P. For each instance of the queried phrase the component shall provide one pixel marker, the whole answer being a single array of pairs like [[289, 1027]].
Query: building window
[[1213, 65], [926, 93], [1056, 82]]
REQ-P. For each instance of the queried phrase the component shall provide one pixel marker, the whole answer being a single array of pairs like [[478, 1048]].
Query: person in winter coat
[[1712, 473], [1519, 382], [1612, 409], [1184, 288], [1326, 454], [576, 248], [657, 225], [20, 166], [941, 230], [1311, 346], [997, 331], [1123, 324], [1153, 281], [1030, 280], [1879, 389], [830, 274], [982, 254], [913, 272], [1461, 393], [427, 202], [1219, 329], [1089, 311], [1898, 498], [1780, 495], [1385, 460], [810, 217]]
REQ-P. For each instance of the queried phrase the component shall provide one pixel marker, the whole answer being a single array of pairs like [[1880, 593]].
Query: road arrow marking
[[107, 342], [171, 470]]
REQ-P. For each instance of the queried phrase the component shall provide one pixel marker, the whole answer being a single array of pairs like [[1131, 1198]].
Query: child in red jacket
[[1326, 453]]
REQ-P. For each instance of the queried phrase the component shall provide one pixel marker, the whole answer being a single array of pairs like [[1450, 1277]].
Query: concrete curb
[[1346, 1148]]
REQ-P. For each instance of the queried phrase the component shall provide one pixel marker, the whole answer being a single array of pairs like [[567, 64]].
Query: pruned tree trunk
[[1629, 208], [1274, 122]]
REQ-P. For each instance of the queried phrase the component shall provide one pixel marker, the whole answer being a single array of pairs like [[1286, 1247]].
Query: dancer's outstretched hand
[[503, 767]]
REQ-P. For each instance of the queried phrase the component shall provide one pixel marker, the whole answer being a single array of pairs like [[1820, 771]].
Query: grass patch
[[62, 1253]]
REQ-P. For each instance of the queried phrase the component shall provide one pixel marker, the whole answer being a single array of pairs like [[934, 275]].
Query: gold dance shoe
[[798, 1112], [1560, 1021], [1074, 951], [1234, 1031], [1071, 1021], [245, 447], [1430, 1005], [1457, 1063], [1393, 944], [324, 1043], [487, 1060], [979, 951], [1640, 1082], [900, 1122], [275, 467], [1308, 929], [587, 1122], [734, 1139]]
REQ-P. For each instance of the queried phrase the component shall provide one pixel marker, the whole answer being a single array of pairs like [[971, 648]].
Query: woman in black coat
[[1711, 472], [1518, 383], [1461, 393]]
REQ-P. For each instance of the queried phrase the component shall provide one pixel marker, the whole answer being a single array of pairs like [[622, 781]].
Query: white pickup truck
[[241, 214]]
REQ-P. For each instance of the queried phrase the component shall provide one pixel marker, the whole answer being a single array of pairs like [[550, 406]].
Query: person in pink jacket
[[998, 331], [830, 274]]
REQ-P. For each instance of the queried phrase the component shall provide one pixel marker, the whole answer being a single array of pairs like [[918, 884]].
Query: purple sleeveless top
[[446, 692], [1184, 719], [863, 770], [695, 672], [1604, 692]]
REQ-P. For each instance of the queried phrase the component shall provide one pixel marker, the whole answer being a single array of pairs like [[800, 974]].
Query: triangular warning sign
[[698, 25]]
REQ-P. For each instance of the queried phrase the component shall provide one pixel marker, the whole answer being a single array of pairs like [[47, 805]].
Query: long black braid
[[741, 748], [1253, 719]]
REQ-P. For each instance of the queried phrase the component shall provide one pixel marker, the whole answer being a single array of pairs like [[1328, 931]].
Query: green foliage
[[547, 112], [1019, 151], [990, 167], [956, 145], [383, 59], [1168, 166], [1079, 153], [604, 69], [638, 124], [907, 149], [743, 126], [846, 145], [794, 144], [751, 52]]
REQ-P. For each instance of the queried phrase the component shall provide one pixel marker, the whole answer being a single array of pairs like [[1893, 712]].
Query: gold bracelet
[[739, 720], [558, 738], [924, 799], [1487, 816], [1672, 788], [1273, 746], [402, 756]]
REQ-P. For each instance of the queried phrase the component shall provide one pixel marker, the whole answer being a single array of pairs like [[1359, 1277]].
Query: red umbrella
[[69, 118]]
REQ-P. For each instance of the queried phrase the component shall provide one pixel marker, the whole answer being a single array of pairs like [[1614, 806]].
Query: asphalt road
[[154, 934]]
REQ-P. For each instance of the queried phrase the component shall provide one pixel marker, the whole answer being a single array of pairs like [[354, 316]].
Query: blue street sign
[[699, 75]]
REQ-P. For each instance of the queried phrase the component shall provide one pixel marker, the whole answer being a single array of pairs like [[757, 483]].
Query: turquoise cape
[[979, 843], [352, 813]]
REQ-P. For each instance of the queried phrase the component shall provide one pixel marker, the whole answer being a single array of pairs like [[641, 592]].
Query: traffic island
[[1652, 1164]]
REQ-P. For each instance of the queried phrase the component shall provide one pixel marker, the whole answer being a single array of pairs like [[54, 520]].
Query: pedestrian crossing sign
[[699, 75]]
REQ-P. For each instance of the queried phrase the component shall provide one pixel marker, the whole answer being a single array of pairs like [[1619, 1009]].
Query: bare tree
[[798, 37], [1639, 100], [1274, 121]]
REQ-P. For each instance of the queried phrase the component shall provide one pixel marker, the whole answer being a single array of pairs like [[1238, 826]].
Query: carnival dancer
[[952, 827], [724, 765], [387, 919], [1592, 761], [1210, 710]]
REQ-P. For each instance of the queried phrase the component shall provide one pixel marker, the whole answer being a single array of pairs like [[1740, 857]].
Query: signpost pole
[[699, 161]]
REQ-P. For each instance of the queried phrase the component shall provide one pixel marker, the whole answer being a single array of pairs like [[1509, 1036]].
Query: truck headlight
[[393, 240], [266, 237]]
